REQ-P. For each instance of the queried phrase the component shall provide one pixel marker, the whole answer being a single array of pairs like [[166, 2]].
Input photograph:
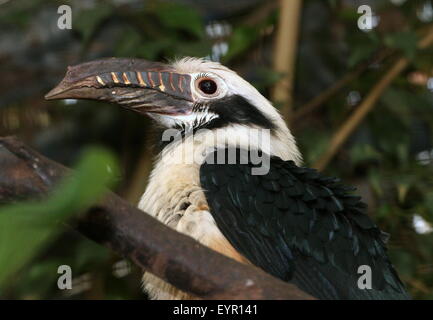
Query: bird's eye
[[207, 86]]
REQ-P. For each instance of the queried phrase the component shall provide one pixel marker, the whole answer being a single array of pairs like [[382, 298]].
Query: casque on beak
[[136, 84]]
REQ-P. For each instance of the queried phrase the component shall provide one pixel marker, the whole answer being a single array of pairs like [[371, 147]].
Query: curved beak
[[136, 84]]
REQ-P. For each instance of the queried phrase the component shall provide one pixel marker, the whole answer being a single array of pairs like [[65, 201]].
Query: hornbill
[[289, 220]]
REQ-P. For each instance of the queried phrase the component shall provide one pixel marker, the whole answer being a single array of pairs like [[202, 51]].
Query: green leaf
[[363, 46], [178, 16], [375, 180], [359, 54], [333, 3], [87, 21], [197, 49], [28, 227], [128, 44], [315, 143], [348, 14], [405, 41], [240, 40], [363, 152]]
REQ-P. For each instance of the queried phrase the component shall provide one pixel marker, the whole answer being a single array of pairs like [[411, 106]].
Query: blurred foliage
[[389, 157], [40, 222]]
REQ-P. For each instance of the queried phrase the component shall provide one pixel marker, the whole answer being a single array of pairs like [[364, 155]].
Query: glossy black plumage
[[302, 227]]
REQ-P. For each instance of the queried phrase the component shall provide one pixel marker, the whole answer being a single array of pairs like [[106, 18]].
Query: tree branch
[[174, 257], [285, 54]]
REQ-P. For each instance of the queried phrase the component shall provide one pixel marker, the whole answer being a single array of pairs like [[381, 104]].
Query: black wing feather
[[302, 227]]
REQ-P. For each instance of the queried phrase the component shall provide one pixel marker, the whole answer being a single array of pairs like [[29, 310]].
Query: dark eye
[[208, 86]]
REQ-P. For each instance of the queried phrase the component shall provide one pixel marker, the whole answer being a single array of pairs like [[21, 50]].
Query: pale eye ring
[[207, 86]]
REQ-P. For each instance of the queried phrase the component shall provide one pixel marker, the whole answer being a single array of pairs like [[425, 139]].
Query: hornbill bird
[[291, 221]]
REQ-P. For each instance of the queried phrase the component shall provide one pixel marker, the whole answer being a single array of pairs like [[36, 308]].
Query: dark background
[[388, 157]]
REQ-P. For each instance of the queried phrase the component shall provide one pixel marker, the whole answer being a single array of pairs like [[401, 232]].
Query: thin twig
[[320, 100], [367, 105]]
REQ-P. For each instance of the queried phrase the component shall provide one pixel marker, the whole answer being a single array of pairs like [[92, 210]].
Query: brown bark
[[285, 54]]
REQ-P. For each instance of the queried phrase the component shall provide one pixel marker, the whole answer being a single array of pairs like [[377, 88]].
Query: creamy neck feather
[[193, 149]]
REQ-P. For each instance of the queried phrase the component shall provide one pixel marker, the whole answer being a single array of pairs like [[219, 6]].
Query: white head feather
[[230, 83]]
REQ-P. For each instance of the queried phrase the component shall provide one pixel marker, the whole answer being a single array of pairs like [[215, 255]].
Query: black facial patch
[[236, 110], [230, 110]]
